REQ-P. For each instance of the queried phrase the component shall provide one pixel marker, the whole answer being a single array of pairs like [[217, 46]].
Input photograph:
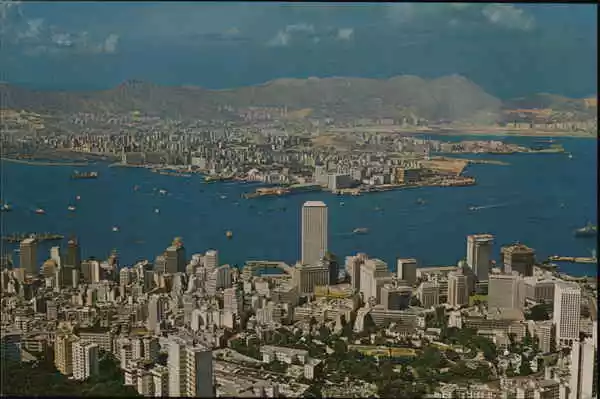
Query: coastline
[[43, 163]]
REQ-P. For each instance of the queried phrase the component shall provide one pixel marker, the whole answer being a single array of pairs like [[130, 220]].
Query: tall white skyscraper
[[314, 231], [85, 360], [582, 369], [567, 312], [479, 254], [211, 260]]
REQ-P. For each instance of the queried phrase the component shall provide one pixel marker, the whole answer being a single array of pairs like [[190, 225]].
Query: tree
[[525, 368]]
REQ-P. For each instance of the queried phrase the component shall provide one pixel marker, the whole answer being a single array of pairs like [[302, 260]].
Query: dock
[[574, 259]]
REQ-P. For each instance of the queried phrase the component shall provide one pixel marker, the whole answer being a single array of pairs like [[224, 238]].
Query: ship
[[420, 201], [84, 175], [115, 229], [71, 208], [589, 230], [360, 230], [5, 208], [40, 211], [229, 234]]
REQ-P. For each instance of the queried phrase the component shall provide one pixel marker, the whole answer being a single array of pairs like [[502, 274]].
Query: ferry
[[589, 230], [71, 208], [84, 175], [40, 211]]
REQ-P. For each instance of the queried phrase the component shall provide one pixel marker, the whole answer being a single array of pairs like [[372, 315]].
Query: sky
[[510, 50]]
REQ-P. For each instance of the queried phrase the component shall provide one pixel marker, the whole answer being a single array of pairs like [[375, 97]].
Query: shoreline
[[43, 163]]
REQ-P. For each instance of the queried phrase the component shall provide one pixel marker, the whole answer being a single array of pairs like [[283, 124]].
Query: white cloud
[[281, 39], [345, 33], [508, 16]]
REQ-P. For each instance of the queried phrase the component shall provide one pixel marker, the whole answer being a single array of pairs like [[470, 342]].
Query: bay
[[520, 202]]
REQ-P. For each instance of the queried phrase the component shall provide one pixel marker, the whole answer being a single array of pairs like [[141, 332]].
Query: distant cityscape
[[325, 327]]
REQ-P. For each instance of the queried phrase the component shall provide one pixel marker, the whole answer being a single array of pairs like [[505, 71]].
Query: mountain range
[[449, 98]]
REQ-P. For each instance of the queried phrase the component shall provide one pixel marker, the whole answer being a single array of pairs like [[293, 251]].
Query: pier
[[574, 259]]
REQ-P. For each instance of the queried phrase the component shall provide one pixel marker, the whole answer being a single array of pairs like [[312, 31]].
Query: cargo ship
[[84, 175], [589, 230]]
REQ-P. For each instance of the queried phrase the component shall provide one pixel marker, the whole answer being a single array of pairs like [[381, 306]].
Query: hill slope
[[449, 98]]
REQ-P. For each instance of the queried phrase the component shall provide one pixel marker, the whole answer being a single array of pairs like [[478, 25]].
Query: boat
[[589, 230], [78, 197], [473, 208], [136, 187], [71, 208], [360, 230], [342, 203], [40, 211], [84, 175], [223, 196], [115, 229], [163, 192], [570, 156], [420, 201], [377, 209], [229, 234], [5, 208]]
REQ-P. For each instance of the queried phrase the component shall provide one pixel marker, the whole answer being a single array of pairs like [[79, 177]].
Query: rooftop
[[314, 204]]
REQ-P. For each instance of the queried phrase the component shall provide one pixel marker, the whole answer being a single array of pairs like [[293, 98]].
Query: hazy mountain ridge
[[450, 98]]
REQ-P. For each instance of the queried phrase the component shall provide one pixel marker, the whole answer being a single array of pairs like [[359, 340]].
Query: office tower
[[353, 266], [85, 360], [407, 270], [583, 365], [28, 256], [479, 254], [223, 277], [334, 268], [73, 258], [125, 276], [370, 272], [429, 294], [175, 257], [506, 291], [307, 277], [211, 260], [233, 300], [314, 232], [49, 268], [160, 264], [518, 258], [55, 255], [458, 292], [395, 297], [567, 312]]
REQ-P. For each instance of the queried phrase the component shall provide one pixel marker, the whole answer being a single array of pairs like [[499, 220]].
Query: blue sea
[[520, 202]]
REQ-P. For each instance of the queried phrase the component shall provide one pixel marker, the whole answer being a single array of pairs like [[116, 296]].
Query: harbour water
[[538, 200]]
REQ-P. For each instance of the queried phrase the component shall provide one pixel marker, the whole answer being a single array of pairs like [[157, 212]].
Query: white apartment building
[[85, 360], [583, 365]]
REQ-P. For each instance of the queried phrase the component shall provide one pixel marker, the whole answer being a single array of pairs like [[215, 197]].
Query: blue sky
[[509, 49]]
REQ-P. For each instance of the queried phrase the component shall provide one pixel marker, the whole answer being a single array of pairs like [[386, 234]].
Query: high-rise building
[[370, 272], [73, 257], [429, 294], [353, 266], [190, 369], [10, 347], [155, 312], [175, 257], [55, 255], [506, 291], [28, 256], [85, 360], [395, 297], [314, 232], [567, 312], [407, 270], [211, 260], [583, 369], [63, 353], [479, 254], [518, 258], [307, 277], [458, 290]]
